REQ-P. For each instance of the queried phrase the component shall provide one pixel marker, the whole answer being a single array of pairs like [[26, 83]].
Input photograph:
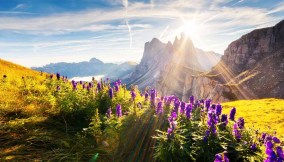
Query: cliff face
[[253, 66], [155, 57]]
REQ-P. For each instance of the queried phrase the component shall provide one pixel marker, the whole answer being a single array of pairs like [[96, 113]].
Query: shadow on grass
[[52, 138]]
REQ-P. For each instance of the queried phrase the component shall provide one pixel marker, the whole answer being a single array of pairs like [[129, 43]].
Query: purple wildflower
[[197, 103], [212, 121], [118, 110], [172, 118], [205, 138], [263, 135], [226, 159], [191, 99], [133, 95], [99, 87], [253, 147], [74, 85], [280, 153], [182, 107], [207, 104], [170, 133], [241, 123], [91, 85], [275, 139], [159, 109], [233, 113], [188, 111], [58, 76], [219, 110], [271, 155], [268, 138], [110, 92], [146, 96], [213, 107], [224, 120], [116, 87], [177, 104], [237, 132], [119, 82], [218, 158], [153, 97]]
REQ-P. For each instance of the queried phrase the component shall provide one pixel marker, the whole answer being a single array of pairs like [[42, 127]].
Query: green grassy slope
[[265, 114]]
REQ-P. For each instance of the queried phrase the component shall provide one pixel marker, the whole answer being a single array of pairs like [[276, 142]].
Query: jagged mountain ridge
[[160, 58], [89, 68]]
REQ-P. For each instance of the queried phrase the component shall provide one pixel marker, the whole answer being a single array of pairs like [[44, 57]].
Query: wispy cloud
[[20, 6]]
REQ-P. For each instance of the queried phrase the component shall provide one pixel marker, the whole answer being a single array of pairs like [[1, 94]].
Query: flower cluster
[[271, 144], [118, 111], [173, 124]]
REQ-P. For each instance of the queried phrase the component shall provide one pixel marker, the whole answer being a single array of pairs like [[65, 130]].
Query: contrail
[[125, 4], [130, 34]]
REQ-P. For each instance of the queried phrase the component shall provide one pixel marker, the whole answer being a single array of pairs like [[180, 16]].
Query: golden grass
[[264, 114]]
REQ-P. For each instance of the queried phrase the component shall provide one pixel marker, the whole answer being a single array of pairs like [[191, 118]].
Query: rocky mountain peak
[[162, 61]]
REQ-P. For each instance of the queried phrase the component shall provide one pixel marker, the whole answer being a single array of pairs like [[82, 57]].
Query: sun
[[190, 29]]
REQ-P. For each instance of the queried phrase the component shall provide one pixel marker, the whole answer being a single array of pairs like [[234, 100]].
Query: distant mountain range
[[89, 68]]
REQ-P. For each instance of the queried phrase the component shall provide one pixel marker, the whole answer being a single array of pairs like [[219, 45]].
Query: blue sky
[[38, 32]]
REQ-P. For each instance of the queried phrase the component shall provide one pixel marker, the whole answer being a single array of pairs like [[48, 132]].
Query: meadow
[[50, 118]]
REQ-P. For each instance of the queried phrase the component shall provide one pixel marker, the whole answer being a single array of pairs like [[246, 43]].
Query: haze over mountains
[[89, 68]]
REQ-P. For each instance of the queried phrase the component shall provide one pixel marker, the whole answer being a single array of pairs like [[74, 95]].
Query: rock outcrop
[[253, 66]]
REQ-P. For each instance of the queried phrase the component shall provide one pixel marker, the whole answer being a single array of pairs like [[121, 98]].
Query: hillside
[[52, 119], [14, 70], [265, 114]]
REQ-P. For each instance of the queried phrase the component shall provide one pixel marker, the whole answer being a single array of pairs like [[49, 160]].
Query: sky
[[38, 32]]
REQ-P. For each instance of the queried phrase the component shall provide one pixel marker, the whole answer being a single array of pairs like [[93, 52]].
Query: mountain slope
[[10, 69]]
